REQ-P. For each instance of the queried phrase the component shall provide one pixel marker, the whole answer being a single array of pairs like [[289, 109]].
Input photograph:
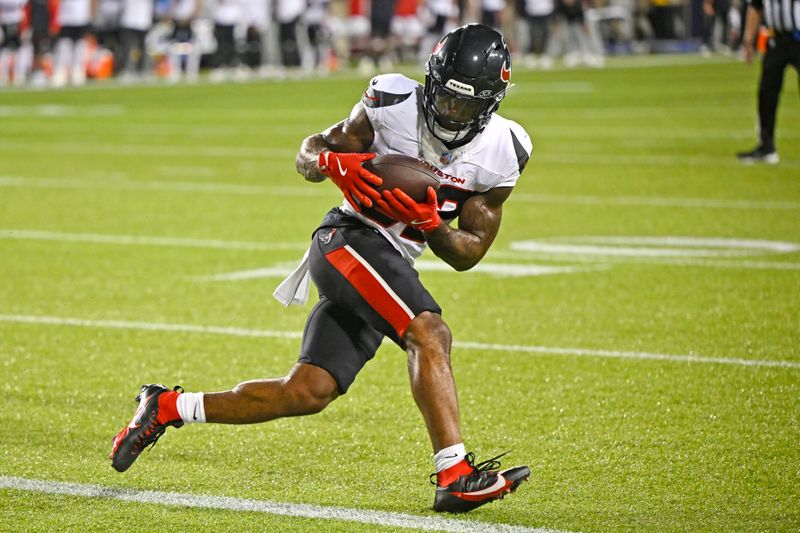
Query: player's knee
[[308, 396], [428, 336]]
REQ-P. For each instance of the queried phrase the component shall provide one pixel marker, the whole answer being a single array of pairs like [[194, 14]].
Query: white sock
[[191, 407], [447, 457]]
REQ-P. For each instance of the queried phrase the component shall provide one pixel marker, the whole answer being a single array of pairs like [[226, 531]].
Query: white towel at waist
[[294, 289]]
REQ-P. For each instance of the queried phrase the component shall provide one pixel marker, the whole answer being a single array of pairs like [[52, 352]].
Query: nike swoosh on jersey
[[194, 415]]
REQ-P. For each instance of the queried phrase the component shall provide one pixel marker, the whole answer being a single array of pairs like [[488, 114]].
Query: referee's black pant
[[782, 50]]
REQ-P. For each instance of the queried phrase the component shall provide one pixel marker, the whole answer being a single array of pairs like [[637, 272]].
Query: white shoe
[[59, 78], [366, 67], [38, 79], [78, 77], [218, 75]]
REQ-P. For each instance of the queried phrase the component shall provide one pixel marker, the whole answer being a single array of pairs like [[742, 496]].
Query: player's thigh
[[338, 341], [359, 270]]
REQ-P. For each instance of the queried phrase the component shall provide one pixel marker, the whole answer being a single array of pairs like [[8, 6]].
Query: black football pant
[[782, 50]]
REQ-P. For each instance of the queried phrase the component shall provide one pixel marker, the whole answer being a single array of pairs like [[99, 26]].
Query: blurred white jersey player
[[135, 21], [11, 15], [441, 16], [74, 16], [183, 53], [256, 15], [288, 14]]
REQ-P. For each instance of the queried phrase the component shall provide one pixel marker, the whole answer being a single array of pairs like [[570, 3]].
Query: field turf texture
[[651, 382]]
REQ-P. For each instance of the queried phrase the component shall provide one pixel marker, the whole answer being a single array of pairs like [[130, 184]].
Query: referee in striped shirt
[[782, 19]]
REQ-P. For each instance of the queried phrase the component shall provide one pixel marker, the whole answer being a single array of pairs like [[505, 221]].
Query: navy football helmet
[[466, 77]]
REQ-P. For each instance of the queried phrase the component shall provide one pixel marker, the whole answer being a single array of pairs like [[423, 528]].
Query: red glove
[[401, 207], [356, 182]]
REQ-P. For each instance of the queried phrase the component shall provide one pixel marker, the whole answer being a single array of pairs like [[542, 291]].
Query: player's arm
[[352, 135], [751, 23], [478, 225]]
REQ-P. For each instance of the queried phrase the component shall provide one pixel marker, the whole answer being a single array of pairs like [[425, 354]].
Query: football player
[[361, 259]]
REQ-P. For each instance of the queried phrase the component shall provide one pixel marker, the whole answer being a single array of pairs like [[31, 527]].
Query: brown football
[[411, 175]]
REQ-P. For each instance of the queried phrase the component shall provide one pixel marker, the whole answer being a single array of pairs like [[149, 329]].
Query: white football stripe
[[319, 512], [380, 280], [21, 234], [466, 345]]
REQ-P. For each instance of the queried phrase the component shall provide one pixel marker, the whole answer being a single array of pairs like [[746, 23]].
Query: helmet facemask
[[454, 117]]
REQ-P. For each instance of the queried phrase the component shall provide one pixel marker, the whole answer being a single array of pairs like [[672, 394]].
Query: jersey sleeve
[[519, 150], [385, 91]]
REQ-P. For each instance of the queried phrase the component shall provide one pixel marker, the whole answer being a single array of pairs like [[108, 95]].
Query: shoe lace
[[483, 466]]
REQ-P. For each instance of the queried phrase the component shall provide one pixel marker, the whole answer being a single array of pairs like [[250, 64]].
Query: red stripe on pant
[[365, 283]]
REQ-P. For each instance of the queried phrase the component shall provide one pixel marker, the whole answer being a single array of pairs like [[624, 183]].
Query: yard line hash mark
[[466, 345], [227, 503]]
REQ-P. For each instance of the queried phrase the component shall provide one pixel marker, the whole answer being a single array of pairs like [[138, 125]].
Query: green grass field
[[644, 359]]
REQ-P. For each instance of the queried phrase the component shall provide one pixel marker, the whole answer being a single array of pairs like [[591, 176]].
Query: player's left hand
[[401, 207]]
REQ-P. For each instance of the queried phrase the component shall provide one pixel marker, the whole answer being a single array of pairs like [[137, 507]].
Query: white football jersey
[[12, 11], [183, 10], [137, 14], [227, 12], [74, 12], [492, 159]]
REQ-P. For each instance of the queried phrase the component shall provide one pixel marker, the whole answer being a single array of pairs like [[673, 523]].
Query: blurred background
[[53, 43]]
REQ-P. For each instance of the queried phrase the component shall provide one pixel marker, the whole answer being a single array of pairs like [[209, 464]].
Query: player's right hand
[[357, 183]]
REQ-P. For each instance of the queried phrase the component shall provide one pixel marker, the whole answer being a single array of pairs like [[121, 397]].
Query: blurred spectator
[[182, 52], [380, 49], [135, 21], [538, 15], [106, 28], [319, 36], [573, 37], [256, 18], [492, 13], [735, 24], [715, 11], [443, 16], [288, 14], [74, 16], [12, 13], [662, 19], [407, 30], [226, 15], [41, 17]]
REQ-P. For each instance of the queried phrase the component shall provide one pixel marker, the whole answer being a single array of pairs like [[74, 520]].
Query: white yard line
[[309, 190], [150, 326], [605, 261], [163, 186], [165, 150], [282, 269], [466, 345], [13, 234], [638, 201], [500, 270], [297, 510]]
